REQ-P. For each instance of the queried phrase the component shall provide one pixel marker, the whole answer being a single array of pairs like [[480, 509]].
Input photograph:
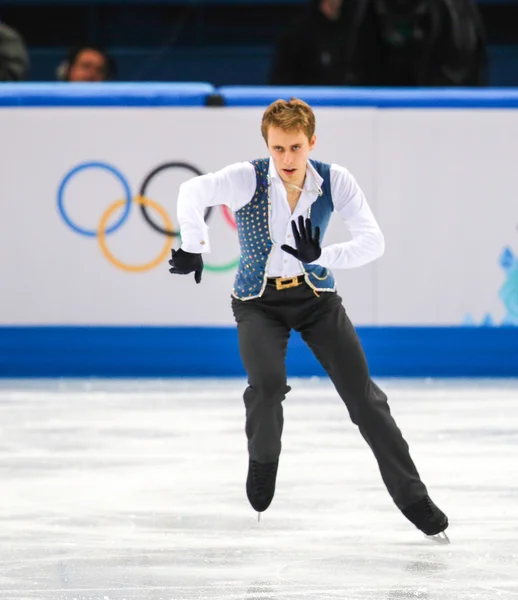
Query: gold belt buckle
[[288, 282]]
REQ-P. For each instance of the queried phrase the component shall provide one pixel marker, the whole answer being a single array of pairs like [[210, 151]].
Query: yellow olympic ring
[[115, 261]]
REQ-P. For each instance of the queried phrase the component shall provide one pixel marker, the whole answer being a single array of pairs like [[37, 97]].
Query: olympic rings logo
[[166, 228]]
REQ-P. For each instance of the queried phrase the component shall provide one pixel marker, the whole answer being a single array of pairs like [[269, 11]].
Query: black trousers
[[264, 326]]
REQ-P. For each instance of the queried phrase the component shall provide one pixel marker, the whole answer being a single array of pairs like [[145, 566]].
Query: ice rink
[[135, 490]]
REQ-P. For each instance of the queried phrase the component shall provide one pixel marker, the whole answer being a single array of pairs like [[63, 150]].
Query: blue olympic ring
[[113, 171]]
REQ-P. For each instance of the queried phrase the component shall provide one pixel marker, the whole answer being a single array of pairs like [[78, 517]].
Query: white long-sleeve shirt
[[235, 185]]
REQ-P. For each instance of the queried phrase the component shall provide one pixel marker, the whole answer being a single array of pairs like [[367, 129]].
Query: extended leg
[[332, 338]]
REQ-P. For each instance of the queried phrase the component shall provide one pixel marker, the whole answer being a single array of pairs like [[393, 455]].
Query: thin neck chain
[[292, 185], [317, 190]]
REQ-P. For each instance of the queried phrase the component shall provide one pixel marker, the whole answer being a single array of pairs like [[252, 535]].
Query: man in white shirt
[[282, 206]]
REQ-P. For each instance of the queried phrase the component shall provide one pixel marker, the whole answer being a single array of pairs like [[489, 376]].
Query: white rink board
[[441, 184], [448, 206]]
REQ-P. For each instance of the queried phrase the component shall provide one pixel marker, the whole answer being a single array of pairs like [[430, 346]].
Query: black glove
[[307, 245], [183, 263]]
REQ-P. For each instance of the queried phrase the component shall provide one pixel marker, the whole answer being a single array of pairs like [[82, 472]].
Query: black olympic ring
[[146, 182]]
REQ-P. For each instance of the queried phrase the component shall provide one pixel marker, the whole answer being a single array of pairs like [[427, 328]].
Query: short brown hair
[[290, 116]]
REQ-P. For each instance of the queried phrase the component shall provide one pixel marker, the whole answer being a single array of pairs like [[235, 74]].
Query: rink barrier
[[204, 94], [374, 98], [141, 351], [105, 94], [213, 352]]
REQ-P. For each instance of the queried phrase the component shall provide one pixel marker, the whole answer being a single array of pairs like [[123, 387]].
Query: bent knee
[[272, 388]]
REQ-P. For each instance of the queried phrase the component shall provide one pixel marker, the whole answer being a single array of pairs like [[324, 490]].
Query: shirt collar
[[313, 179]]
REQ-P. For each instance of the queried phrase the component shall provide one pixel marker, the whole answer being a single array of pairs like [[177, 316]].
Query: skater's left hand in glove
[[307, 242], [183, 263]]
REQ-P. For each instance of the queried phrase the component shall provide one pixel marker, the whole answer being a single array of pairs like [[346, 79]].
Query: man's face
[[331, 8], [290, 151], [89, 65]]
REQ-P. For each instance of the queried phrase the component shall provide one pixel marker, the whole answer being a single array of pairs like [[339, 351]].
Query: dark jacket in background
[[14, 59], [311, 51], [385, 43]]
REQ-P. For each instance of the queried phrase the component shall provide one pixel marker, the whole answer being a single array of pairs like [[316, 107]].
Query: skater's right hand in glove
[[183, 263]]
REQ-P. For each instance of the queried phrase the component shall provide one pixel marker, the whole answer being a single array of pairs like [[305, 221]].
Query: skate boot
[[260, 484], [427, 517]]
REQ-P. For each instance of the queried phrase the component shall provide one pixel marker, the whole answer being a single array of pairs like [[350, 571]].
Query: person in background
[[87, 64], [14, 58], [310, 51], [396, 43]]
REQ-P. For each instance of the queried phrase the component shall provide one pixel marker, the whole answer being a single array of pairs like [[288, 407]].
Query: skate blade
[[258, 517], [439, 538]]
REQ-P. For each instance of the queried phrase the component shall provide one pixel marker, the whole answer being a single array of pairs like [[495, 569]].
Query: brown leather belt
[[283, 283]]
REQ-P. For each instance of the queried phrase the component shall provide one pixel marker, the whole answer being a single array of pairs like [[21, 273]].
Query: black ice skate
[[427, 517], [260, 484]]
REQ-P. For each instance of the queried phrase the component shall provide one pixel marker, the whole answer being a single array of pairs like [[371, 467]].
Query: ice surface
[[135, 490]]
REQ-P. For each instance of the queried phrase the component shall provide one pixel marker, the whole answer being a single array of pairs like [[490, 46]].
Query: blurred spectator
[[311, 51], [383, 43], [14, 59], [87, 64]]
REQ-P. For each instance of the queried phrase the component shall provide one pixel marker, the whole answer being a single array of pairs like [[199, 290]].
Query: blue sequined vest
[[253, 228]]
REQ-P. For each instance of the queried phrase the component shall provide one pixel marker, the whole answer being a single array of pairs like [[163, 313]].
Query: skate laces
[[263, 475], [428, 510], [423, 510], [426, 516]]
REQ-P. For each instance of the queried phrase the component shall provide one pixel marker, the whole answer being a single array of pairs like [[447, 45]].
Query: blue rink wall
[[213, 352], [142, 351]]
